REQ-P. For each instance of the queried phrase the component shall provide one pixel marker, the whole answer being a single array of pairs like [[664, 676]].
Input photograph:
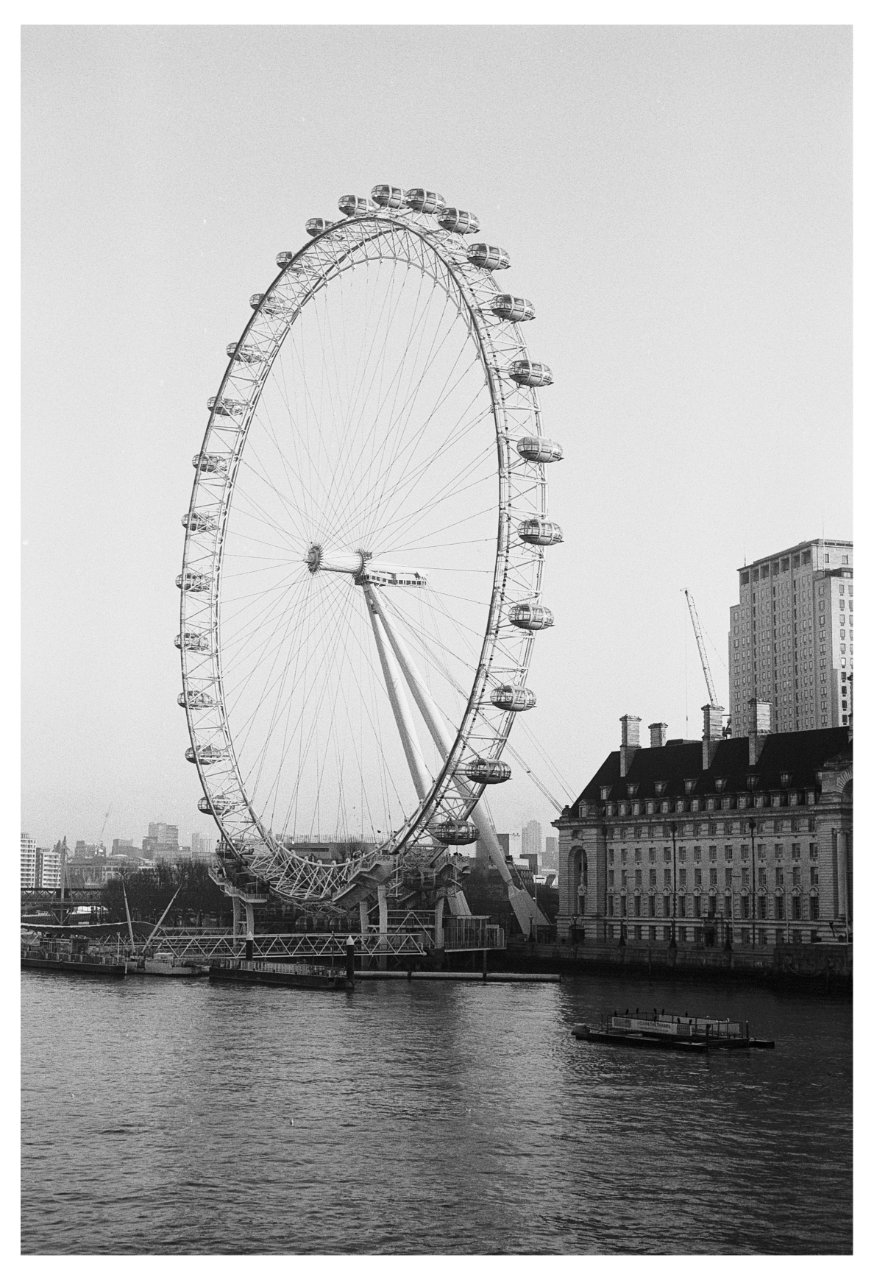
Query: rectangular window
[[796, 908], [728, 853], [778, 907], [814, 908], [666, 905], [713, 875], [652, 909], [763, 907]]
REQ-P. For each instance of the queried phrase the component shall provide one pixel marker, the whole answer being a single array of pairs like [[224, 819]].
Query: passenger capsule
[[531, 373], [514, 697], [193, 641], [244, 352], [452, 832], [488, 771], [488, 256], [388, 197], [195, 699], [539, 449], [210, 463], [218, 805], [205, 755], [540, 533], [508, 307], [530, 617], [315, 226], [285, 256], [197, 522], [459, 221], [191, 581], [424, 201], [269, 305], [224, 406], [355, 206]]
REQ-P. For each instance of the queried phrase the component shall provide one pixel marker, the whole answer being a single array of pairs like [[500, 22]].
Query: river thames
[[178, 1117]]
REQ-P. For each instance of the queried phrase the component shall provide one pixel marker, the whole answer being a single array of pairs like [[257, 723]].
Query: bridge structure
[[60, 906], [411, 938]]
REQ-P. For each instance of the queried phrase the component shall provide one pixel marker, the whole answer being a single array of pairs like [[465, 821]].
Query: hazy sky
[[677, 203]]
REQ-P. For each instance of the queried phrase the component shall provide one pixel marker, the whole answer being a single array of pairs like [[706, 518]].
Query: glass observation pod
[[210, 463], [204, 755], [452, 832], [488, 771], [197, 522], [388, 197], [355, 206], [315, 227], [514, 697], [531, 373], [488, 256], [424, 201], [510, 308], [459, 221], [191, 581], [539, 449], [540, 533], [195, 699], [224, 407], [244, 352], [531, 617], [269, 306], [218, 805], [193, 641]]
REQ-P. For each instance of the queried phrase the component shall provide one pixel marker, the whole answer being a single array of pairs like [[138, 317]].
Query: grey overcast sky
[[677, 203]]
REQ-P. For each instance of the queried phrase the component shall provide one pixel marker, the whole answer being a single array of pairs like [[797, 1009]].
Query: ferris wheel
[[361, 581]]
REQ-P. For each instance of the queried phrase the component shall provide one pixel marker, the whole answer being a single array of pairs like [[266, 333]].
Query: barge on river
[[671, 1031], [267, 974], [66, 956]]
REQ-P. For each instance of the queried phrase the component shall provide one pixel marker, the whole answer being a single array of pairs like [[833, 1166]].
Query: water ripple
[[181, 1118]]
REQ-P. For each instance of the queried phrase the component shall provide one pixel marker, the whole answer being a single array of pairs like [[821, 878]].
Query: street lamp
[[752, 826], [673, 942]]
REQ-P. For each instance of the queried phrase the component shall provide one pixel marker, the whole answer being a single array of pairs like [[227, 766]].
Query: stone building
[[712, 841]]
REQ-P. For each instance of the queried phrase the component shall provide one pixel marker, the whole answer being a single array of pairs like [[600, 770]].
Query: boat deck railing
[[674, 1025]]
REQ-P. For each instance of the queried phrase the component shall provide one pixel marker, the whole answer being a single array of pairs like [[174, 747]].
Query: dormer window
[[785, 779], [752, 781], [605, 792], [632, 789], [720, 783], [660, 788], [689, 784]]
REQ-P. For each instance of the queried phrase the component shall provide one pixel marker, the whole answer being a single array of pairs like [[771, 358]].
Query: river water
[[179, 1117]]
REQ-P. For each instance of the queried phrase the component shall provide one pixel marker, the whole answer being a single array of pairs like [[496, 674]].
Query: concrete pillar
[[235, 906], [382, 901], [364, 915], [438, 923], [250, 920], [841, 838]]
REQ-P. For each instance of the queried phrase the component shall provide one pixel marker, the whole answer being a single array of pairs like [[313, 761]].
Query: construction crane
[[696, 627]]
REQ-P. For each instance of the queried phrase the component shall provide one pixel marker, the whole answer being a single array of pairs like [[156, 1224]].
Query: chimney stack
[[658, 734], [713, 717], [760, 722], [630, 742]]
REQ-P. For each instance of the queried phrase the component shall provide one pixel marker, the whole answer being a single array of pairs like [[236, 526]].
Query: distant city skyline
[[676, 201]]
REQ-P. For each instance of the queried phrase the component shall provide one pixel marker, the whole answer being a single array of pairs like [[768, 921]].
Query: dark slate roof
[[799, 754]]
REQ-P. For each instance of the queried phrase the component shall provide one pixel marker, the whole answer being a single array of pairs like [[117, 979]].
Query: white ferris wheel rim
[[505, 650]]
